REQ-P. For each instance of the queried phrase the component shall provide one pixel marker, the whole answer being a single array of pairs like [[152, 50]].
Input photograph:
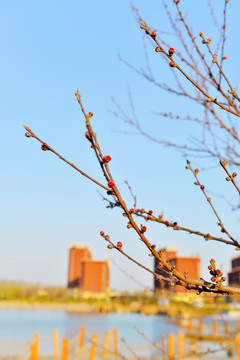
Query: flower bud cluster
[[217, 275], [231, 177], [111, 246]]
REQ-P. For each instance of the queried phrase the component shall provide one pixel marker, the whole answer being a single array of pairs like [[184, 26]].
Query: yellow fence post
[[238, 345], [180, 344], [106, 344], [214, 328], [64, 354], [55, 343], [36, 340], [34, 347], [33, 351], [171, 346], [93, 347], [115, 341], [81, 336]]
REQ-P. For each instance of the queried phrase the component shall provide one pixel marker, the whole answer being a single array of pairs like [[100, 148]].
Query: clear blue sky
[[49, 50]]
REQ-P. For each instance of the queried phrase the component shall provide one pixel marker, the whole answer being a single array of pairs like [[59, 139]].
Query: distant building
[[84, 273], [234, 275], [189, 264]]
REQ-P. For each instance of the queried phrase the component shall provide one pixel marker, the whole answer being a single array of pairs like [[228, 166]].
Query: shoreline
[[71, 307], [82, 307]]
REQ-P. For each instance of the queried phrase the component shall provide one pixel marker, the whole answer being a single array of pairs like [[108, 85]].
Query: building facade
[[84, 273], [191, 265], [234, 275]]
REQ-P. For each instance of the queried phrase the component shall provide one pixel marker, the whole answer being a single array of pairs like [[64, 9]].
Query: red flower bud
[[212, 261], [143, 229], [218, 271], [111, 184], [150, 212], [210, 267], [87, 135], [102, 233], [119, 244], [172, 64], [224, 57], [166, 223], [213, 279], [131, 211], [171, 51], [106, 158], [154, 34], [196, 171], [202, 187]]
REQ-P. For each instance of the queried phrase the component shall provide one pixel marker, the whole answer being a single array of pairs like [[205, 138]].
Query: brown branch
[[113, 246], [209, 98], [209, 200], [180, 279], [48, 147], [230, 177], [223, 37]]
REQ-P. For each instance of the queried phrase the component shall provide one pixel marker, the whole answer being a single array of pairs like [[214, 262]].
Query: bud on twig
[[119, 245], [111, 184], [44, 147], [28, 134], [106, 159], [110, 246], [143, 229]]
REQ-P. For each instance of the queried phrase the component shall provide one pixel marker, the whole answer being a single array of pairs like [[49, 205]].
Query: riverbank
[[173, 310], [83, 307]]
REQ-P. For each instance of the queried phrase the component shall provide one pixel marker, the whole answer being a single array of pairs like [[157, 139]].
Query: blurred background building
[[234, 274], [84, 273]]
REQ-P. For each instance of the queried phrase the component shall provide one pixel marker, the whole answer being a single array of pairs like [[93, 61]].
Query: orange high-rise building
[[189, 264], [234, 274], [85, 273]]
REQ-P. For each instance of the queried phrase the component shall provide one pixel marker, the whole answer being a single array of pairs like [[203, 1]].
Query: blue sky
[[51, 49]]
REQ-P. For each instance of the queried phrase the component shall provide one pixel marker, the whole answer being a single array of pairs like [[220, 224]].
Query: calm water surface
[[18, 326]]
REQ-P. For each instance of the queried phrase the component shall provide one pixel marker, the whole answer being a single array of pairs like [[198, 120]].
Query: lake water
[[18, 326]]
